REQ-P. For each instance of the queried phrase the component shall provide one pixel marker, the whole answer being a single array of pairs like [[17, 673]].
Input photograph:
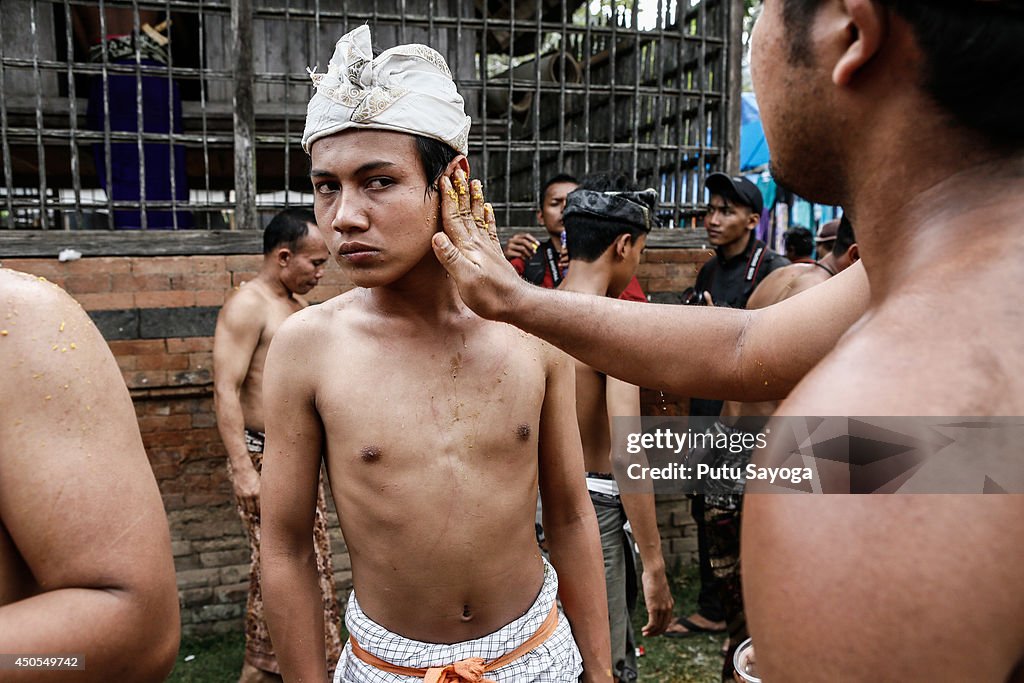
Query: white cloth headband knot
[[406, 89]]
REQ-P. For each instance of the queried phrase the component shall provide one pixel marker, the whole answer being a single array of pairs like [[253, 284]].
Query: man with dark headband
[[906, 114], [606, 227]]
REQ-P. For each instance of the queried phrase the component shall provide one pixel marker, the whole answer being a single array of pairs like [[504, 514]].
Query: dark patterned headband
[[633, 208]]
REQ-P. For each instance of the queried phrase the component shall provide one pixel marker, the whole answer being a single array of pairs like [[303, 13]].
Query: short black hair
[[434, 157], [972, 55], [587, 236], [844, 237], [287, 228], [800, 240], [560, 178]]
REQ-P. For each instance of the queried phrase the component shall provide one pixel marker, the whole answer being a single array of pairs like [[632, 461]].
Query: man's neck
[[425, 294], [971, 214], [588, 278], [733, 249], [270, 278], [829, 261]]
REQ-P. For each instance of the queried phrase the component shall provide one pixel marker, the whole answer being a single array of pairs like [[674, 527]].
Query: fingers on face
[[454, 223], [462, 191], [492, 226]]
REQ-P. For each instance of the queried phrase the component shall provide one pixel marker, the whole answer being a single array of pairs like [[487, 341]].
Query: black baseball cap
[[736, 189]]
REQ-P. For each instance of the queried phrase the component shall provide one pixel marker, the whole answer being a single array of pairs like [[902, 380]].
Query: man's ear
[[621, 245], [458, 162], [753, 220], [865, 26], [853, 253], [284, 255]]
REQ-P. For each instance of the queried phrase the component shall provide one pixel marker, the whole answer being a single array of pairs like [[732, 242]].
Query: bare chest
[[408, 405]]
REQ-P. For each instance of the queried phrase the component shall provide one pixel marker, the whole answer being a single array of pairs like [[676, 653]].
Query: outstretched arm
[[85, 552], [291, 470], [697, 351], [623, 401]]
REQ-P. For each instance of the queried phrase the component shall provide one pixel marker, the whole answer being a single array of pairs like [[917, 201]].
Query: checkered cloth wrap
[[557, 660]]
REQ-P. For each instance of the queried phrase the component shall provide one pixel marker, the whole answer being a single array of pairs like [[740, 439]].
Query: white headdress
[[407, 89]]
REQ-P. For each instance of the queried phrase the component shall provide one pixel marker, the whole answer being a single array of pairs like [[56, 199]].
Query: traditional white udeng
[[406, 89]]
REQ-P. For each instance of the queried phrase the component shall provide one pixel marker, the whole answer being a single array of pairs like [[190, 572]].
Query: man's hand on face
[[246, 484], [522, 246], [470, 252]]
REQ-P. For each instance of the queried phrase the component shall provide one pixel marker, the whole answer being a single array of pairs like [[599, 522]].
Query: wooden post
[[734, 93], [244, 117]]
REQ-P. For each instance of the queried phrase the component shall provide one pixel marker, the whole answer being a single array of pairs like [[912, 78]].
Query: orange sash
[[471, 670]]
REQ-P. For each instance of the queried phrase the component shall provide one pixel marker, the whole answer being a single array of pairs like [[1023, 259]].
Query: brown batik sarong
[[259, 652]]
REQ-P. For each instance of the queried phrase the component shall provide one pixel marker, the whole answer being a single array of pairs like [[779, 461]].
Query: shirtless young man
[[435, 425], [85, 552], [294, 255], [606, 231], [873, 106]]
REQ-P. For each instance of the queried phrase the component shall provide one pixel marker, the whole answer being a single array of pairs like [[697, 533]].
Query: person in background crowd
[[294, 256]]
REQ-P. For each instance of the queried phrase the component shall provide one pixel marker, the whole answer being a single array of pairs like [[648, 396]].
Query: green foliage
[[215, 659], [697, 659]]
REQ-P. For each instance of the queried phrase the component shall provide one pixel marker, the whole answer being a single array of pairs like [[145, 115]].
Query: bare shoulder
[[919, 356], [784, 282], [246, 302], [305, 328], [37, 319]]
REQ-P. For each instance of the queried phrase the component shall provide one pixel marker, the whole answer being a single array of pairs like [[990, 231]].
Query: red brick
[[165, 440], [208, 264], [146, 379], [94, 283], [247, 263], [200, 361], [214, 297], [164, 362], [126, 363], [129, 282], [164, 423], [106, 264], [162, 264], [48, 268], [678, 255], [171, 299], [107, 301], [137, 347], [189, 344], [196, 281]]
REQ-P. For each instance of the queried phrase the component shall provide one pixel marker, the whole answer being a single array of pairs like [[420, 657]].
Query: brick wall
[[158, 314]]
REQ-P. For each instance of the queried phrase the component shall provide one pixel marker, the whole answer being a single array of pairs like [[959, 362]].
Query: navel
[[467, 615]]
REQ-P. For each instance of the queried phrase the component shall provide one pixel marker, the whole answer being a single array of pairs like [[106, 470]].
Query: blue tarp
[[753, 147]]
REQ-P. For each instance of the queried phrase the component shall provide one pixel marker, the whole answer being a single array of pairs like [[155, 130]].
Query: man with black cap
[[727, 279], [741, 260]]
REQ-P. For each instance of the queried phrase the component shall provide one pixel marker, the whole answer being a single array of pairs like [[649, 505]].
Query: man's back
[[914, 353], [245, 327]]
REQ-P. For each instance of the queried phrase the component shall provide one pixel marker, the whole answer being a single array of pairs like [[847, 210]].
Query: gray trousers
[[620, 581]]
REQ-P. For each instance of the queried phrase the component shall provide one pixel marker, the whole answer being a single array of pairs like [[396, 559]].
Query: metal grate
[[638, 86]]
